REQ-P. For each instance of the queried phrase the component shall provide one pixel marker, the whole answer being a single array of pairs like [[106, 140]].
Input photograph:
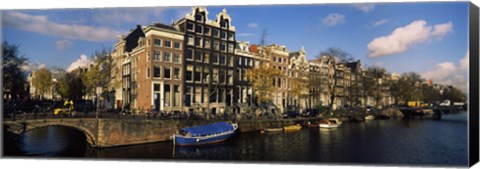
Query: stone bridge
[[105, 132], [118, 132]]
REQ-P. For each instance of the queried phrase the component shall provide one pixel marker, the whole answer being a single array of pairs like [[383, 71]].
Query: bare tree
[[263, 37], [334, 56]]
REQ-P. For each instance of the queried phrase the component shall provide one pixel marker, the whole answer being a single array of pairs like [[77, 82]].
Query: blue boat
[[206, 134]]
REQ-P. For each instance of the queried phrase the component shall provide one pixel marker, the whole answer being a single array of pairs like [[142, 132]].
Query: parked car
[[310, 113], [291, 114], [370, 109]]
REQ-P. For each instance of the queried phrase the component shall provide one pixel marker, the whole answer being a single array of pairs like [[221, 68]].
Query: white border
[[80, 163]]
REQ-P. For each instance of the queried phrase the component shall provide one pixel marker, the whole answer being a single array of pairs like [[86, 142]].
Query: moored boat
[[205, 134], [273, 129], [336, 121], [328, 124], [369, 117], [292, 127]]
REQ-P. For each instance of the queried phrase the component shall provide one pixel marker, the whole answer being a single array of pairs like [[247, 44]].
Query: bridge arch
[[85, 127]]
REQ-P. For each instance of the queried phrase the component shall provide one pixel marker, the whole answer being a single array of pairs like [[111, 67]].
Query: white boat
[[330, 123], [336, 121], [273, 129], [323, 125], [369, 117]]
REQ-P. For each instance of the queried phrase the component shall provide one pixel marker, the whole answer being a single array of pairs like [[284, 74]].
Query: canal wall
[[126, 132], [119, 132]]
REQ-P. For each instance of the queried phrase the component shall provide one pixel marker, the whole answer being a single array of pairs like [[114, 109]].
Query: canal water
[[385, 142]]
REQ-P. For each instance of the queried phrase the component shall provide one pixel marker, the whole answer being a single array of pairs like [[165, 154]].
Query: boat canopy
[[213, 128]]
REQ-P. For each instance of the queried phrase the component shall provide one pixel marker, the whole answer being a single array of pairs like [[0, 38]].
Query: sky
[[428, 38]]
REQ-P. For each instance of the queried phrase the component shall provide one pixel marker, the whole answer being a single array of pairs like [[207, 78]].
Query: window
[[156, 72], [207, 30], [156, 87], [156, 55], [148, 72], [188, 96], [223, 35], [176, 45], [176, 58], [176, 73], [148, 42], [239, 74], [167, 95], [167, 73], [168, 44], [223, 47], [207, 43], [166, 57], [205, 95], [230, 36], [198, 55], [216, 45], [230, 60], [190, 40], [190, 27], [215, 75], [215, 32], [198, 41], [176, 96], [199, 29], [199, 17], [206, 75], [206, 57], [198, 95], [230, 48], [198, 74], [148, 56], [157, 42], [221, 76], [215, 58], [222, 59], [189, 73], [189, 54], [230, 77]]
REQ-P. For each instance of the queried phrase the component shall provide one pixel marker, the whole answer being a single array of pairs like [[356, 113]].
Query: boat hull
[[188, 141], [328, 125], [273, 129]]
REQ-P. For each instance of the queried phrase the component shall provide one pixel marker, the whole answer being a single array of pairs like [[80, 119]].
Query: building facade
[[196, 65]]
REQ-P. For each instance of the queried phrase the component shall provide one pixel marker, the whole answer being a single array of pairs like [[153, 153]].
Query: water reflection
[[394, 141]]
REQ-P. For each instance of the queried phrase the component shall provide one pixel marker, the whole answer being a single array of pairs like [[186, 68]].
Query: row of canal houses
[[196, 64]]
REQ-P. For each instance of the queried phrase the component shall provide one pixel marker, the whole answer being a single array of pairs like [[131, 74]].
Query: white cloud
[[31, 66], [62, 44], [41, 24], [253, 25], [82, 62], [449, 73], [403, 38], [378, 23], [366, 8], [116, 16], [333, 19], [244, 34]]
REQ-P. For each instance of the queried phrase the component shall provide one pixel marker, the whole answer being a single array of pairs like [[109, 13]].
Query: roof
[[163, 26], [353, 65], [213, 128], [131, 40]]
